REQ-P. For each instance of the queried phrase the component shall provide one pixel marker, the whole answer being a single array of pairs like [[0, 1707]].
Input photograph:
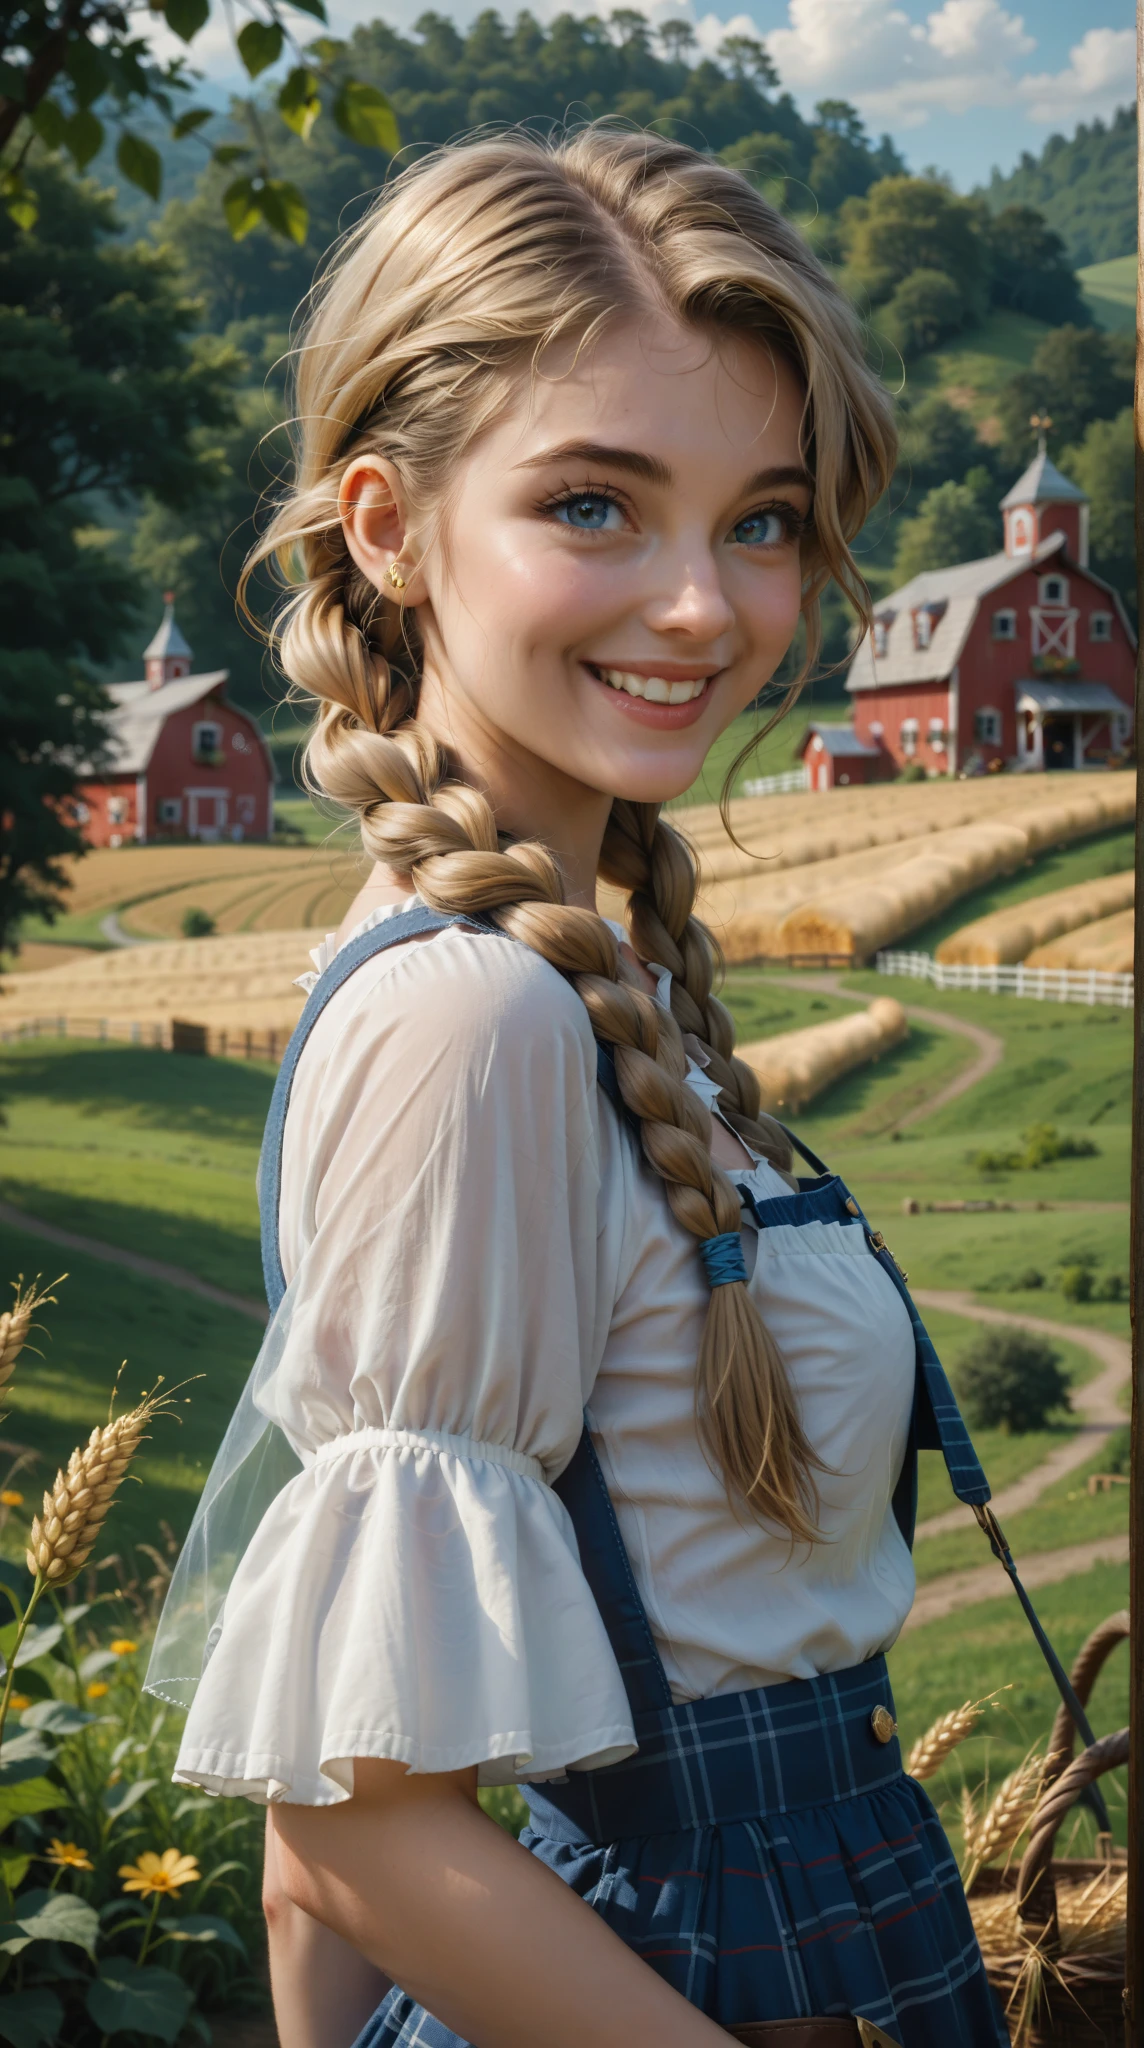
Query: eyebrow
[[653, 471]]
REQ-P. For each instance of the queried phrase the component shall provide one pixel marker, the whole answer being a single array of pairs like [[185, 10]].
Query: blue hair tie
[[723, 1258]]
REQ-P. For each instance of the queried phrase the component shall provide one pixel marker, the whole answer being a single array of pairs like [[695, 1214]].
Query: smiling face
[[620, 573]]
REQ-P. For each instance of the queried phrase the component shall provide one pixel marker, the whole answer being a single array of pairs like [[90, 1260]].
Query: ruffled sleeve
[[415, 1592]]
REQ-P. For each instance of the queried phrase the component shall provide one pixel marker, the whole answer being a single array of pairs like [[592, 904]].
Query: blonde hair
[[469, 265]]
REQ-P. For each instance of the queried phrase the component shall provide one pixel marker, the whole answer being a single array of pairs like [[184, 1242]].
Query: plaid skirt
[[765, 1852]]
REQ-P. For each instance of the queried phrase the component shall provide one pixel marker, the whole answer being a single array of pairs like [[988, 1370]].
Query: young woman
[[601, 1425]]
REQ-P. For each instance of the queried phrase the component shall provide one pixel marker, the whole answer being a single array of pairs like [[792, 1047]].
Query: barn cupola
[[1043, 503], [168, 655]]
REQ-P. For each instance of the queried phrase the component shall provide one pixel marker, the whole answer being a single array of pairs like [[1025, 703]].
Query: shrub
[[1077, 1283], [1113, 1287], [926, 308], [1044, 1143], [912, 772], [1029, 1279], [197, 924], [1011, 1380]]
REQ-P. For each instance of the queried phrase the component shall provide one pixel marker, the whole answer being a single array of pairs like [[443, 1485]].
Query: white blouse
[[476, 1250]]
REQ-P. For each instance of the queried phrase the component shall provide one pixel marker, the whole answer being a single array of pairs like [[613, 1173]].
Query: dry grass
[[242, 983], [797, 1065], [1011, 935], [1091, 1916], [1108, 944]]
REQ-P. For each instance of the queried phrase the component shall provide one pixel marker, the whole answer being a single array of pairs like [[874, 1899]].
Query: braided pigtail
[[474, 262]]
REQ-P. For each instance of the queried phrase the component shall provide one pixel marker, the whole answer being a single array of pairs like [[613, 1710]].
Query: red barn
[[183, 762], [1025, 660], [835, 756]]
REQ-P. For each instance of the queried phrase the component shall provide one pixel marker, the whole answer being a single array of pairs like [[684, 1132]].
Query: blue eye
[[590, 513], [760, 530]]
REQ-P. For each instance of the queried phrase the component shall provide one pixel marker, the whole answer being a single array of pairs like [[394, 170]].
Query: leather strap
[[840, 2033]]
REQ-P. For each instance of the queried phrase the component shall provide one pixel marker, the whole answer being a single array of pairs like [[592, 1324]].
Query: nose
[[693, 602]]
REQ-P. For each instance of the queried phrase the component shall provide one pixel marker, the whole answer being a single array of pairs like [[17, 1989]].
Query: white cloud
[[1099, 76], [896, 71]]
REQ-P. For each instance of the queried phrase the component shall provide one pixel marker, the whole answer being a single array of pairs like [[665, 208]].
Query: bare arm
[[495, 1945], [324, 1992]]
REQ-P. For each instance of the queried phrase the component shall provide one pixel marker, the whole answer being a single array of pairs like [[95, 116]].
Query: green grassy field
[[972, 371], [1110, 293]]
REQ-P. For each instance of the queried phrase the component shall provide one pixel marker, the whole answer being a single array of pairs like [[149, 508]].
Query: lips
[[654, 689]]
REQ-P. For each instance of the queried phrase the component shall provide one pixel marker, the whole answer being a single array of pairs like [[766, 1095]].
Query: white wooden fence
[[1044, 984], [169, 1035], [778, 785]]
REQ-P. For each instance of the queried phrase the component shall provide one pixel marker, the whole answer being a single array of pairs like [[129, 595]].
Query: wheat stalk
[[1007, 1816], [63, 1534], [16, 1321], [931, 1749]]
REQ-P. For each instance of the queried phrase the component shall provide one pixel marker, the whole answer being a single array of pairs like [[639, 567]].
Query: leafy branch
[[68, 67]]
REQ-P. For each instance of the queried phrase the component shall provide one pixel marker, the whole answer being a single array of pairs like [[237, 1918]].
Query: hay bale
[[1009, 935], [1107, 944], [797, 1065], [239, 982]]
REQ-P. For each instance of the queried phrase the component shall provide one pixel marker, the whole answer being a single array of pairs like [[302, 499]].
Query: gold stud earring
[[395, 577]]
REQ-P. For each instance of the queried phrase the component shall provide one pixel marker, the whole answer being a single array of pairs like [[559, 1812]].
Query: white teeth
[[653, 688]]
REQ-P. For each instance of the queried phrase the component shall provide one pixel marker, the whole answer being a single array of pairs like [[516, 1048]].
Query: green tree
[[906, 224], [104, 394], [1029, 268], [926, 309], [1011, 1380], [1084, 185], [954, 523], [1077, 375], [1103, 464], [937, 444]]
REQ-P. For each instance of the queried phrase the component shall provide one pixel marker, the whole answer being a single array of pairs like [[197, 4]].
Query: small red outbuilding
[[183, 762], [835, 756]]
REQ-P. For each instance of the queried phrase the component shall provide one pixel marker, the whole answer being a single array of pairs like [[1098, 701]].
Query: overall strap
[[405, 924], [606, 1566]]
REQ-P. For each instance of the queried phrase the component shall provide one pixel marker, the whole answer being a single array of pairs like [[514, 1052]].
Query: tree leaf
[[87, 68], [230, 153], [55, 1717], [325, 49], [14, 1869], [50, 123], [144, 167], [38, 1641], [29, 2019], [53, 1916], [284, 209], [130, 2000], [298, 101], [188, 122], [365, 115], [203, 1927], [240, 205], [316, 7], [260, 45], [83, 140], [21, 207], [119, 1799], [33, 1795], [98, 1660], [186, 17]]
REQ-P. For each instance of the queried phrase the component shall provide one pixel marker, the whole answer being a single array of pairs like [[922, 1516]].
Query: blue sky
[[962, 84]]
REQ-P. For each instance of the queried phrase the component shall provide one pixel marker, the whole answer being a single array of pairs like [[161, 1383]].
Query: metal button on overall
[[883, 1725]]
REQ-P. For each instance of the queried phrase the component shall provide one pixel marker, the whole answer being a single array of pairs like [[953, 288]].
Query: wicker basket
[[1060, 1997]]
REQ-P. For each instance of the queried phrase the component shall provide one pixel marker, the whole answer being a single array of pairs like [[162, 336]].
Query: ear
[[372, 509]]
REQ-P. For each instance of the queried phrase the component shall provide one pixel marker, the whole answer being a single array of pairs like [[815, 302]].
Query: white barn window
[[206, 740], [987, 726], [936, 735], [908, 735], [170, 810], [1100, 625], [1054, 590], [1005, 625]]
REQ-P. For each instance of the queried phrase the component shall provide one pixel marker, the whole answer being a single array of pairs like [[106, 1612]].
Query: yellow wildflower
[[123, 1647], [19, 1701], [97, 1689], [68, 1855], [9, 1498], [163, 1873]]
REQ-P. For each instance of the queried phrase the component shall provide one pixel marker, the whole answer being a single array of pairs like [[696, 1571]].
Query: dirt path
[[1096, 1403], [988, 1582], [115, 1255]]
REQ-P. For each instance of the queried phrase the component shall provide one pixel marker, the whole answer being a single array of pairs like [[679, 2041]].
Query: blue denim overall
[[763, 1850]]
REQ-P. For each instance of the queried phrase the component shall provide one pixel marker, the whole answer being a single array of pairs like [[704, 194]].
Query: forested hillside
[[1085, 187]]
